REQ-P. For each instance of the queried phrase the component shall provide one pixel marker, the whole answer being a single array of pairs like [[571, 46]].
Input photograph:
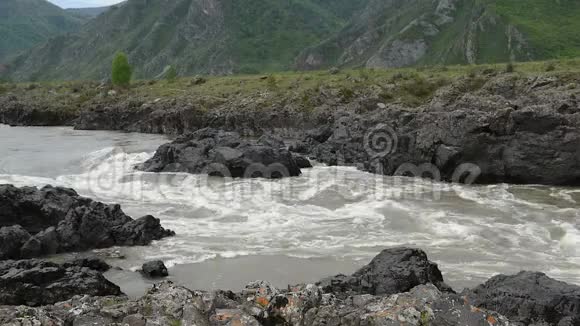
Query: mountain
[[250, 36], [27, 23], [88, 13], [196, 36], [395, 33]]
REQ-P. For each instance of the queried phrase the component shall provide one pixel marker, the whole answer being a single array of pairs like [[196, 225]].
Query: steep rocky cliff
[[402, 33]]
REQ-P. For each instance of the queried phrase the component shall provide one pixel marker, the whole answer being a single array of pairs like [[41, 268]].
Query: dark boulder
[[35, 282], [154, 269], [12, 238], [302, 162], [395, 270], [529, 298], [53, 220], [218, 153]]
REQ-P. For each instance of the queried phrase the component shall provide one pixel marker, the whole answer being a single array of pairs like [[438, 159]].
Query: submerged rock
[[395, 270], [226, 154], [50, 220], [36, 282], [529, 298], [154, 269]]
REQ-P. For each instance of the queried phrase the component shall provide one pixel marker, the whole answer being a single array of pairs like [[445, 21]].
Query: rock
[[302, 162], [218, 153], [135, 320], [154, 269], [197, 80], [260, 304], [12, 238], [63, 221], [35, 282], [271, 141], [395, 270], [333, 71], [529, 298]]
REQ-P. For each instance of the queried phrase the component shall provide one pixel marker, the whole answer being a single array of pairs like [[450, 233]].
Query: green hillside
[[26, 23], [551, 26], [255, 36]]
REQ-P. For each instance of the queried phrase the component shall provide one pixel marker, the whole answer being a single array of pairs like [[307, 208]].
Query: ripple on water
[[471, 231]]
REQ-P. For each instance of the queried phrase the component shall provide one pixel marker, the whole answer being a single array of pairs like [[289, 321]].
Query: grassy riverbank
[[409, 87]]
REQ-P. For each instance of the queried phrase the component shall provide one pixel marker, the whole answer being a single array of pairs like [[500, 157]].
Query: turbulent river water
[[329, 220]]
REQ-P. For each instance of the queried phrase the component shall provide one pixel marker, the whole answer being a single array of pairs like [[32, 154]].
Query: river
[[329, 220]]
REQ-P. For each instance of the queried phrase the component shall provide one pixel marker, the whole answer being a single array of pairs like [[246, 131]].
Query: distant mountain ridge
[[251, 36], [27, 23], [91, 12]]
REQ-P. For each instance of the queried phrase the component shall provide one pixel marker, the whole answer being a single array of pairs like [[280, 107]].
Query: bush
[[550, 67], [510, 68], [272, 82], [121, 70], [171, 75]]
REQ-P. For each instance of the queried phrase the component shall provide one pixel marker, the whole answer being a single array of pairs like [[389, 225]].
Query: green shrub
[[510, 68], [121, 70], [550, 67], [272, 82], [171, 75]]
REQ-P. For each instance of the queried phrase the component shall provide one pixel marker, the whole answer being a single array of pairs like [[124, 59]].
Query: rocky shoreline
[[491, 128], [400, 286], [38, 222]]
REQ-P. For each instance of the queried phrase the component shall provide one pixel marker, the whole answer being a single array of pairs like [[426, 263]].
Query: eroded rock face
[[511, 130], [35, 282], [218, 153], [36, 222], [529, 298], [395, 270]]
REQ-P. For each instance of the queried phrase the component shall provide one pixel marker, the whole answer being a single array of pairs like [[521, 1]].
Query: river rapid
[[329, 220]]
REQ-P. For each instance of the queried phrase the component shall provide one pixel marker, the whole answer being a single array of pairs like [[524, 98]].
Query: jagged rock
[[395, 270], [35, 282], [261, 304], [526, 299], [12, 238], [529, 298], [62, 221], [154, 269], [302, 162], [218, 153]]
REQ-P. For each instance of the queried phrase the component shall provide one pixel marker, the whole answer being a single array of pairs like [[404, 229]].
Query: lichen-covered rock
[[35, 222], [260, 305], [529, 298]]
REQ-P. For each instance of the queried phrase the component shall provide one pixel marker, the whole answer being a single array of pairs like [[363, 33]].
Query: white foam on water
[[335, 212]]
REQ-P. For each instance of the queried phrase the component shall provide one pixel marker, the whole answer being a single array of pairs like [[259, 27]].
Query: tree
[[121, 71], [171, 74]]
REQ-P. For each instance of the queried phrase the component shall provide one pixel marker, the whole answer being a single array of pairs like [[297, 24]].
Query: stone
[[12, 238], [395, 270], [225, 154], [154, 269], [529, 297], [302, 162], [63, 221], [36, 282]]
